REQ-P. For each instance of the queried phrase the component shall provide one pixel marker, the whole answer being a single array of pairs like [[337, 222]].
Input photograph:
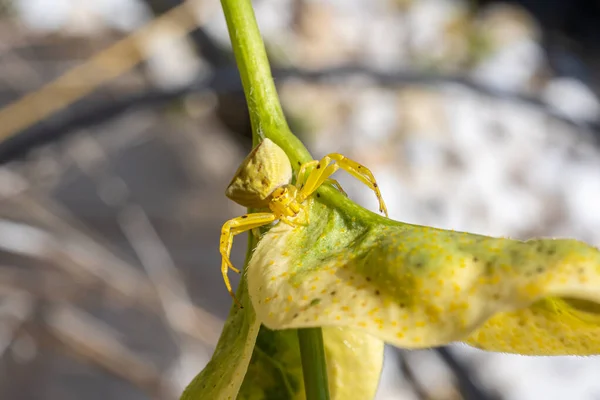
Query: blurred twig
[[99, 69], [91, 339], [178, 309], [411, 379], [74, 251], [226, 80], [80, 256], [46, 285], [16, 307], [176, 303], [469, 388]]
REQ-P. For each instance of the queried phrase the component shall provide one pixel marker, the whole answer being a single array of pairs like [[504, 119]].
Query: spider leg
[[361, 173], [316, 177], [230, 229], [323, 171], [336, 185], [287, 221], [301, 177]]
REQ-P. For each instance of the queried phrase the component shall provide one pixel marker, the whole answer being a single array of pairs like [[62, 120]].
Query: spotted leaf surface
[[415, 286]]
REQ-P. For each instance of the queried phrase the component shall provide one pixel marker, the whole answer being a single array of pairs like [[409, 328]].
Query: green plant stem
[[314, 367], [268, 120], [266, 114]]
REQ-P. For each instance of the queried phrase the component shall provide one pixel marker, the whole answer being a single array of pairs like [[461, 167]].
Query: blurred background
[[473, 115]]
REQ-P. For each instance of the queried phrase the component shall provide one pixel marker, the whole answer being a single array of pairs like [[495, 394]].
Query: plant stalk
[[266, 114], [268, 120], [314, 366]]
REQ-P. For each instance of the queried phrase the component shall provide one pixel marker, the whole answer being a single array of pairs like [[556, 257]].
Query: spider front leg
[[323, 171], [230, 229], [301, 177], [300, 181]]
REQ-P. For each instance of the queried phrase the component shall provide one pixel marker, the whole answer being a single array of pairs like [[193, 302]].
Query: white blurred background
[[479, 116]]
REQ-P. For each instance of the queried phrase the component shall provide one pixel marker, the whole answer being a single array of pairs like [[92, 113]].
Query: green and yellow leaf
[[415, 286]]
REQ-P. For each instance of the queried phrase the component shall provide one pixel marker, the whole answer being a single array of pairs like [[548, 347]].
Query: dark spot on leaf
[[374, 185], [244, 216], [360, 166], [319, 166], [314, 302], [377, 292], [295, 315], [539, 270], [402, 305], [333, 293], [551, 252], [368, 279], [475, 259], [318, 195], [299, 163]]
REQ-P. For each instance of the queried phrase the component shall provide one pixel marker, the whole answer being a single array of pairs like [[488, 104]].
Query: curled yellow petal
[[354, 363]]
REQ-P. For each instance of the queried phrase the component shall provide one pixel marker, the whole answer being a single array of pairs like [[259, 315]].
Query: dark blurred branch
[[231, 108], [410, 377], [226, 80], [469, 388], [205, 46]]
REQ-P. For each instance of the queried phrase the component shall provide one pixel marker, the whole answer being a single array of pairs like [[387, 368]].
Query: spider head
[[283, 201]]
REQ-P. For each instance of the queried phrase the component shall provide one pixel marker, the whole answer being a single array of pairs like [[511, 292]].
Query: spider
[[263, 182]]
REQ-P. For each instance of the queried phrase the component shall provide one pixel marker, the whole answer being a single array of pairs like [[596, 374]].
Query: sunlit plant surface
[[321, 261]]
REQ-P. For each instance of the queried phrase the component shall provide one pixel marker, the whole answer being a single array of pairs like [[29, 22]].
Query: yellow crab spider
[[263, 182]]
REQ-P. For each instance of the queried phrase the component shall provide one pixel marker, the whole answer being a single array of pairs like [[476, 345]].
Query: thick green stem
[[266, 114], [268, 120], [314, 367]]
